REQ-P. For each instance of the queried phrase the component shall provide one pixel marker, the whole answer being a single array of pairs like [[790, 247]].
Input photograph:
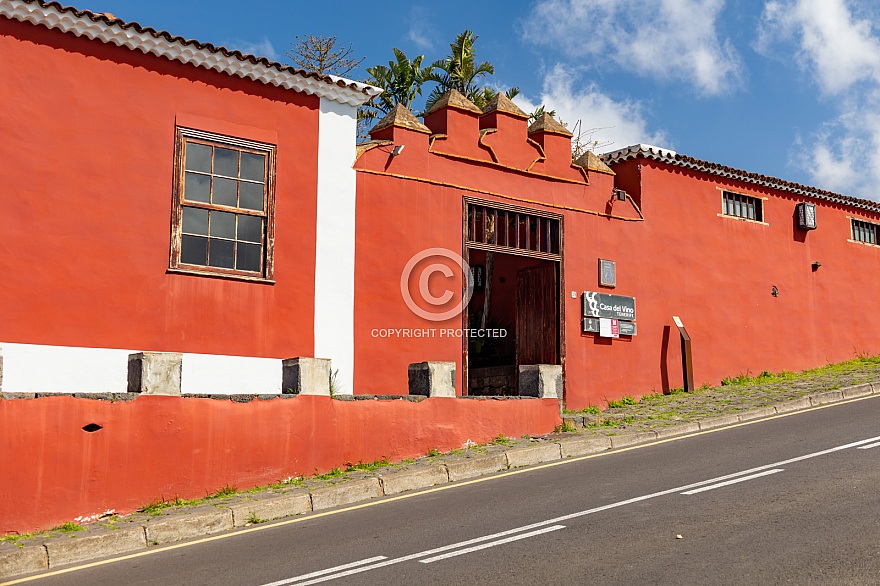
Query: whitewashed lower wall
[[33, 368]]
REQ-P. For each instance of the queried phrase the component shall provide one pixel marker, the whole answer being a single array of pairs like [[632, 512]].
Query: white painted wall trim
[[33, 368], [334, 256]]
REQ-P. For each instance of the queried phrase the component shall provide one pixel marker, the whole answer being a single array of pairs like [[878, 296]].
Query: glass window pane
[[248, 257], [253, 166], [194, 250], [751, 210], [197, 187], [195, 221], [225, 162], [251, 196], [250, 228], [225, 192], [223, 225], [737, 209], [222, 254], [198, 157]]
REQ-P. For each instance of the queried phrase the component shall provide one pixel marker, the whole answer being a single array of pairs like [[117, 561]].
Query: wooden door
[[537, 315]]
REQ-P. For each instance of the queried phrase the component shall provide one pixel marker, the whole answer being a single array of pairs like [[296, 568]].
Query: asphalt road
[[793, 499]]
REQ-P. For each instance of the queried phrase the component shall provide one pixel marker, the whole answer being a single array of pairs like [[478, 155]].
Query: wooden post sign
[[687, 361]]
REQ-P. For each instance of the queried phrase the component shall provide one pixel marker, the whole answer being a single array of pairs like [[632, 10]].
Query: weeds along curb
[[201, 520]]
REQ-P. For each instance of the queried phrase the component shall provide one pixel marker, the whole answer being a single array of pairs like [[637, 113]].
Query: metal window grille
[[513, 231], [864, 232], [742, 206]]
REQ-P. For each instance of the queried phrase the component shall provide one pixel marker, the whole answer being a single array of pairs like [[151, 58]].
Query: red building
[[166, 195]]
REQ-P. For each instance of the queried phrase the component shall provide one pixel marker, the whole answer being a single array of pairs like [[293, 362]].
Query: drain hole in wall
[[91, 427]]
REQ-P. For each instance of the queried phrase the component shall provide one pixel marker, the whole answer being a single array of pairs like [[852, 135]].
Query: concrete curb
[[208, 520]]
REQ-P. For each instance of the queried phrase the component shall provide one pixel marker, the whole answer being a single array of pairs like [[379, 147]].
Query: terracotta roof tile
[[546, 123], [400, 116], [502, 103], [673, 158], [18, 10], [454, 99]]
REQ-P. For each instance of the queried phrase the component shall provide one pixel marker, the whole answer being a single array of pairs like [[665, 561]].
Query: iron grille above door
[[513, 230]]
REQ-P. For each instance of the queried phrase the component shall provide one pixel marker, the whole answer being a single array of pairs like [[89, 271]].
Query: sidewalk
[[630, 421]]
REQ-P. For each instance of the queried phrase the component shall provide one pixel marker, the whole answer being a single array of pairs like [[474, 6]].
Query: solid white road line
[[681, 489], [734, 481], [327, 571], [492, 544], [869, 446]]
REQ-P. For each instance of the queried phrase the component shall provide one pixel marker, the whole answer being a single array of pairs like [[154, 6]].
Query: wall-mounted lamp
[[620, 194], [397, 150], [806, 216], [816, 265], [774, 291]]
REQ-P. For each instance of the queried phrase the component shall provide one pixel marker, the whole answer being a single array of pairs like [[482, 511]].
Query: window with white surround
[[864, 231], [223, 220], [742, 206]]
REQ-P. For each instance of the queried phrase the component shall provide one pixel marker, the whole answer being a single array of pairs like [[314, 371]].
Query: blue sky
[[788, 88]]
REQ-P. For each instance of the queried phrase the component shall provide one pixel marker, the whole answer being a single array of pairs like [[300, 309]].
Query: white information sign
[[609, 328]]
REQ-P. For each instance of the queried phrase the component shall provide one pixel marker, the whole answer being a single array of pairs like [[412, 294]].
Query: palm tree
[[460, 71], [402, 80]]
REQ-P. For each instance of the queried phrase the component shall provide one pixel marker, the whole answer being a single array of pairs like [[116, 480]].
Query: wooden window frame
[[869, 226], [477, 237], [182, 137], [743, 198]]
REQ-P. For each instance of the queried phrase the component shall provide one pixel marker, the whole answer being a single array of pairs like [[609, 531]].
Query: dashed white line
[[492, 544], [741, 476], [734, 481], [327, 571]]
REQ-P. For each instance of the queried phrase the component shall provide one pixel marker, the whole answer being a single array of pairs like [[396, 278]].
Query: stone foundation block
[[584, 446], [756, 413], [677, 430], [23, 561], [345, 493], [306, 376], [718, 421], [78, 549], [533, 455], [194, 524], [826, 397], [413, 479], [472, 467], [155, 373], [287, 505], [432, 379], [793, 405], [540, 380], [848, 392], [630, 439]]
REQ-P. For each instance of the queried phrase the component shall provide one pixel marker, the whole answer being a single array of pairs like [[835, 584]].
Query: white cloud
[[263, 48], [619, 123], [838, 47], [419, 33], [845, 154], [665, 39], [834, 45]]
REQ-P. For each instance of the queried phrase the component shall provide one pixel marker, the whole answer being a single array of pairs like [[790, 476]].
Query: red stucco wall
[[153, 447], [87, 147], [684, 259]]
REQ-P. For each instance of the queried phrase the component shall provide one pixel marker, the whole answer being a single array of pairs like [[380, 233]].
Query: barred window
[[224, 203], [864, 232], [742, 206]]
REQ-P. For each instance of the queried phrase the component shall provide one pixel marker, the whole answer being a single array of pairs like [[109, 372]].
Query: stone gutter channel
[[650, 420]]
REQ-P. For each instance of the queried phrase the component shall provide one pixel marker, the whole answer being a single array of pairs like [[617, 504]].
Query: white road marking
[[557, 520], [327, 571], [492, 544], [734, 481], [869, 446]]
